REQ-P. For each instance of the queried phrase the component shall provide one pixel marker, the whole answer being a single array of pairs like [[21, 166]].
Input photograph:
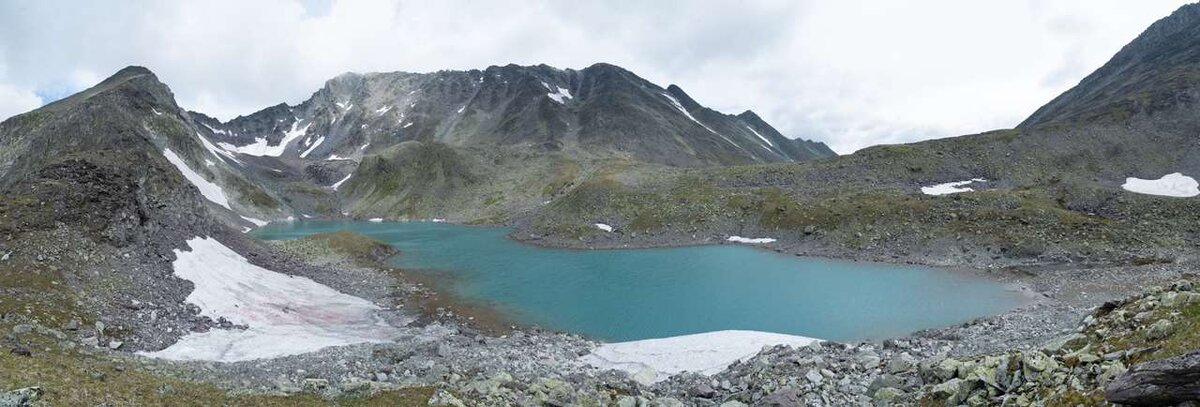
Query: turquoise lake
[[621, 295]]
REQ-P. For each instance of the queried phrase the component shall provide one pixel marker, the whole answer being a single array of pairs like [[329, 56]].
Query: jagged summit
[[602, 109], [1158, 71]]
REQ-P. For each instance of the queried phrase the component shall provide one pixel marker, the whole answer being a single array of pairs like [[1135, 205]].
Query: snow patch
[[156, 112], [376, 220], [286, 315], [261, 147], [654, 360], [215, 150], [460, 110], [760, 136], [950, 187], [339, 183], [560, 95], [438, 220], [256, 222], [383, 110], [320, 140], [335, 157], [604, 227], [407, 125], [209, 190], [364, 147], [679, 106], [1173, 184], [345, 105], [759, 240]]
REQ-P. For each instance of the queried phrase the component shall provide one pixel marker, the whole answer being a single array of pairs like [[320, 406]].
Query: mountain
[[1157, 72], [602, 109]]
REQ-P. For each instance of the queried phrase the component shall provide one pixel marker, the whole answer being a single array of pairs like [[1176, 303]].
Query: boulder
[[1158, 383], [442, 398], [785, 397], [20, 397], [1160, 330]]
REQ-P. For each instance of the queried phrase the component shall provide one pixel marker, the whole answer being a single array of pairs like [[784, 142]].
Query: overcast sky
[[851, 73]]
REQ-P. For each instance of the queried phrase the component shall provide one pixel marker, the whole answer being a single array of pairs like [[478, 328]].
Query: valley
[[529, 235]]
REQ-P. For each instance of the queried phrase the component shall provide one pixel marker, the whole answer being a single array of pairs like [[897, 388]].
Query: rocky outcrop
[[1158, 383]]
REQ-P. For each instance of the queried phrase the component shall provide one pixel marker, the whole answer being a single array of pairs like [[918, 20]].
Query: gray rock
[[887, 394], [114, 345], [1164, 382], [1160, 330], [814, 377], [667, 402], [785, 397], [442, 398], [314, 385], [22, 329], [627, 401], [20, 397], [733, 403], [702, 390]]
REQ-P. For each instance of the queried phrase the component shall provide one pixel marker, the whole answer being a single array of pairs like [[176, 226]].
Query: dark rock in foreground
[[1158, 383]]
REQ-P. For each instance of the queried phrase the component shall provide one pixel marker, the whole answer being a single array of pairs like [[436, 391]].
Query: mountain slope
[[601, 109]]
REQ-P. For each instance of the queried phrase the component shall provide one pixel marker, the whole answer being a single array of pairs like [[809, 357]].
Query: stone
[[667, 402], [20, 397], [1181, 285], [733, 403], [22, 329], [442, 398], [72, 325], [702, 390], [627, 401], [814, 377], [443, 350], [955, 391], [1165, 382], [947, 369], [314, 385], [887, 394], [785, 397], [1160, 330], [901, 364]]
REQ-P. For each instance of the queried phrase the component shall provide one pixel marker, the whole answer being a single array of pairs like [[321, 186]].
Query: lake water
[[621, 295]]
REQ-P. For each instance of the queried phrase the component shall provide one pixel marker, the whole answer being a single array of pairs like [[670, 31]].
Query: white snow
[[406, 125], [654, 360], [345, 105], [209, 190], [335, 157], [215, 150], [339, 183], [760, 136], [364, 147], [376, 220], [460, 110], [604, 227], [286, 315], [679, 106], [383, 110], [559, 95], [950, 187], [1174, 184], [209, 163], [313, 147], [156, 112], [256, 222], [216, 131], [759, 240], [438, 220], [261, 146]]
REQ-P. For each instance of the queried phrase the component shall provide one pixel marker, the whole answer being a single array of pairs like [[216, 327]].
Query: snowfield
[[654, 360], [210, 190], [950, 187], [286, 315], [760, 240], [262, 148], [1174, 185]]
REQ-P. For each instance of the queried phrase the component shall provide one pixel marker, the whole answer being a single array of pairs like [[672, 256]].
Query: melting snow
[[339, 183], [383, 110], [950, 187], [211, 191], [438, 220], [760, 240], [256, 222], [364, 147], [376, 220], [654, 360], [460, 110], [286, 315], [208, 163], [560, 95], [314, 147], [156, 112], [261, 146], [216, 131], [215, 150], [1174, 184], [407, 125], [760, 136], [335, 157], [604, 227], [345, 105]]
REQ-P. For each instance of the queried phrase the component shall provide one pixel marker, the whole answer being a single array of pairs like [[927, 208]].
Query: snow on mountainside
[[602, 108]]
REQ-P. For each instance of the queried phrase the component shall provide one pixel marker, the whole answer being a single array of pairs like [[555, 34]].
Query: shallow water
[[621, 295]]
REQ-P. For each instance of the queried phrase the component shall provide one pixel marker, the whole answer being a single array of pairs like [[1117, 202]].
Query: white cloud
[[851, 73]]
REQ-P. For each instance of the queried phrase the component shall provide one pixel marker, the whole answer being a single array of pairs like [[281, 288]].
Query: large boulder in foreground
[[1164, 382]]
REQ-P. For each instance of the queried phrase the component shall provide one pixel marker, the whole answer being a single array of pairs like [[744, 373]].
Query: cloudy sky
[[851, 73]]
